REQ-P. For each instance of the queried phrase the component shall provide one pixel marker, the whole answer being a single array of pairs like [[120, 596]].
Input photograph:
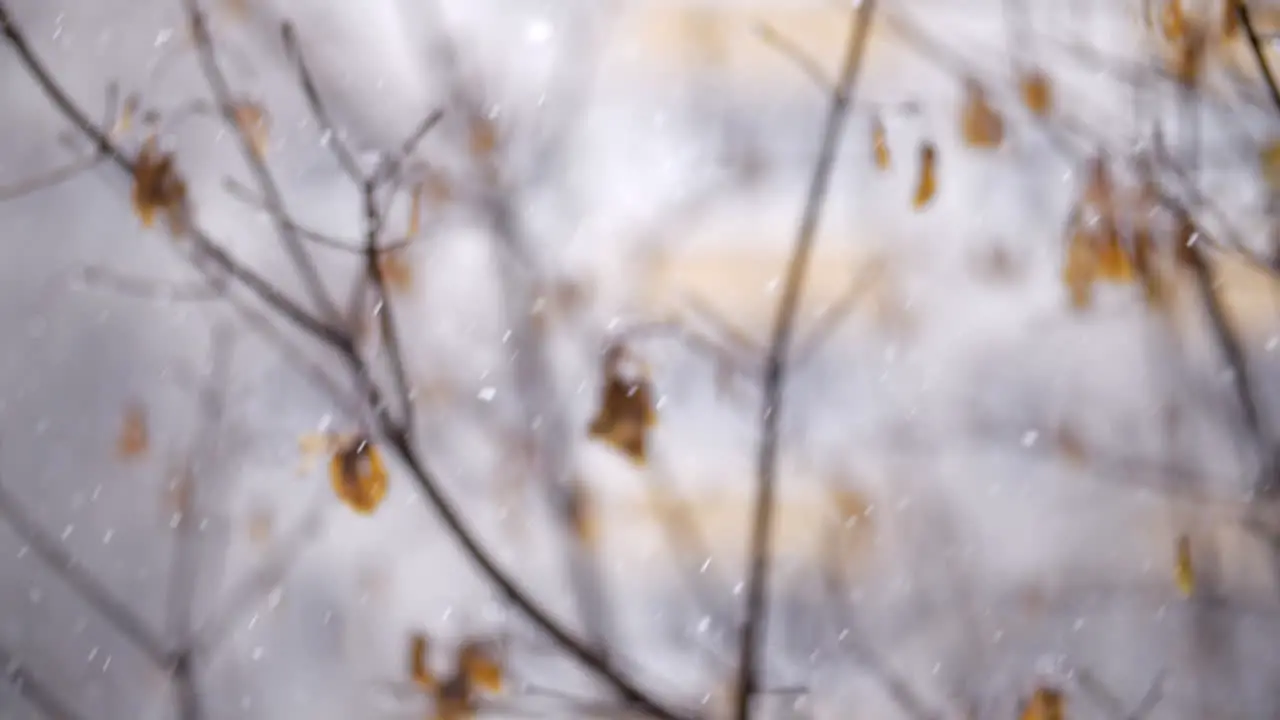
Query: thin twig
[[306, 268], [346, 159], [65, 566], [793, 52], [755, 626], [238, 191], [390, 165], [35, 692], [1255, 45]]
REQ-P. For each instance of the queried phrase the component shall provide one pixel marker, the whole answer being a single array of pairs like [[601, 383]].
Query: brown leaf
[[478, 661], [1113, 260], [1080, 270], [358, 475], [180, 493], [252, 120], [157, 188], [980, 125], [482, 138], [1184, 573], [454, 700], [1046, 703], [1187, 60], [135, 437], [879, 143], [1071, 447], [1037, 92], [1230, 19], [626, 411], [927, 184], [437, 187], [1173, 21], [415, 211], [261, 527], [582, 516], [397, 271], [420, 662]]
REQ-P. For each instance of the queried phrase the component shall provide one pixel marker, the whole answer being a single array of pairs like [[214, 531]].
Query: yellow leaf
[[483, 138], [358, 476], [927, 184], [1184, 573], [454, 701], [980, 125], [1045, 704], [1037, 93], [1269, 164], [1113, 261], [879, 144], [1173, 22], [479, 663], [582, 516], [1080, 270], [626, 411], [253, 122], [397, 271], [157, 188], [1230, 19], [135, 437], [420, 662], [1188, 55], [1099, 191]]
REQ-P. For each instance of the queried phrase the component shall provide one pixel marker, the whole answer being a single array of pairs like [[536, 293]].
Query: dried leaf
[[1080, 270], [128, 109], [1071, 447], [1188, 57], [1173, 21], [252, 120], [626, 411], [478, 661], [980, 125], [397, 271], [358, 475], [420, 662], [1157, 291], [1037, 92], [1045, 704], [260, 527], [157, 188], [927, 185], [135, 437], [1183, 572], [1269, 164], [453, 699], [582, 516], [437, 187], [1099, 191], [1183, 239], [1114, 263], [482, 138], [415, 211], [879, 143], [1230, 19]]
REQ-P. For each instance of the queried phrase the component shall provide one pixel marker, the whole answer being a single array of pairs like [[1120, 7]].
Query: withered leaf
[[927, 183], [1046, 703], [358, 475], [420, 662], [454, 700], [1269, 165], [1173, 21], [415, 211], [124, 121], [482, 137], [1184, 573], [478, 662], [1188, 57], [1230, 18], [626, 411], [157, 188], [135, 436], [980, 125], [582, 516], [397, 271], [1080, 270], [879, 143], [1114, 263], [1037, 92], [252, 120]]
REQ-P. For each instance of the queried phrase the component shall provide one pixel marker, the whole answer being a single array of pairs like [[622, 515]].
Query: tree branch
[[755, 626]]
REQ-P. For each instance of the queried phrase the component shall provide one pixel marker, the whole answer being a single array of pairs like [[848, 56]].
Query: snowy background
[[981, 487]]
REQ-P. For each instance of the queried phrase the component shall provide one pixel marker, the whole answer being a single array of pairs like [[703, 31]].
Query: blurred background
[[1028, 437]]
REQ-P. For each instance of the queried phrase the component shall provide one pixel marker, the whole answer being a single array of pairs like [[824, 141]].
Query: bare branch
[[755, 627], [65, 566], [334, 141], [266, 182], [40, 695], [1255, 46], [791, 51]]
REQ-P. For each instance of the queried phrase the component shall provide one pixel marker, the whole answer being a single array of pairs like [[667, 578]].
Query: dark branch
[[755, 627]]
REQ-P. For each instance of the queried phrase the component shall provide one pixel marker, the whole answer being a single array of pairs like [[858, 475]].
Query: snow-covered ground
[[982, 488]]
